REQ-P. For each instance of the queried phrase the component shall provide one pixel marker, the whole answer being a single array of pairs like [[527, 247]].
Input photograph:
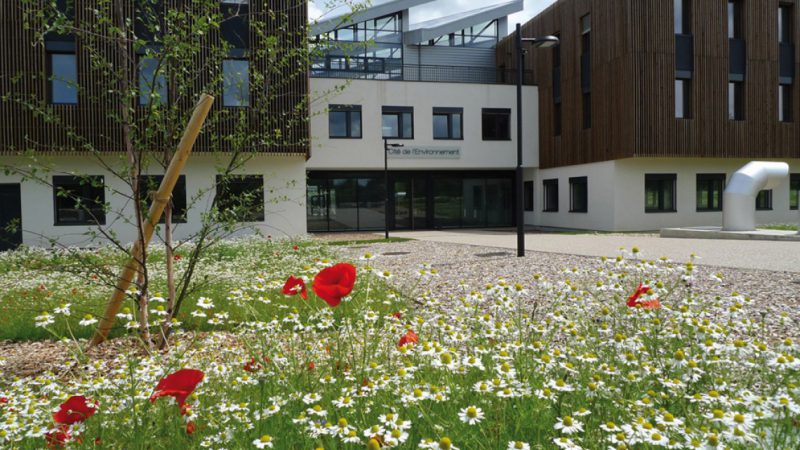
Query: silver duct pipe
[[739, 198]]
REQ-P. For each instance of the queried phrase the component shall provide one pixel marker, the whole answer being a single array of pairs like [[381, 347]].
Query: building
[[647, 108], [61, 74], [432, 87]]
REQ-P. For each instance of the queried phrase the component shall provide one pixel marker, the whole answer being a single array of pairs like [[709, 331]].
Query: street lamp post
[[386, 147], [538, 42]]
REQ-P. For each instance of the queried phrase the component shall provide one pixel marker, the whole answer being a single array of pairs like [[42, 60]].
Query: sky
[[320, 9]]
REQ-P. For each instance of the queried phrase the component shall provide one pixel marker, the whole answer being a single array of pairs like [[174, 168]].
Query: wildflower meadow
[[290, 346]]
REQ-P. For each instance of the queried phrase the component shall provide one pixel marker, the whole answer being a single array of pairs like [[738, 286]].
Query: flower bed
[[626, 355]]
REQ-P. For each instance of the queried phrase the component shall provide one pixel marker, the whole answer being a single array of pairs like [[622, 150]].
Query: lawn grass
[[34, 281], [369, 241], [779, 226]]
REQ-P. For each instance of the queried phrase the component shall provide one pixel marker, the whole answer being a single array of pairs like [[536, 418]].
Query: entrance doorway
[[410, 202], [10, 216]]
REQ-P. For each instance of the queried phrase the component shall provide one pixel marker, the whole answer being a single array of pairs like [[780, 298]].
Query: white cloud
[[436, 8]]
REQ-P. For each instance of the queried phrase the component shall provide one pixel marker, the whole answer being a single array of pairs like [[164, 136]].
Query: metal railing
[[428, 73]]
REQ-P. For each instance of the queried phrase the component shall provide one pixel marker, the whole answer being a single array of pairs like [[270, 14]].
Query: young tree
[[140, 66]]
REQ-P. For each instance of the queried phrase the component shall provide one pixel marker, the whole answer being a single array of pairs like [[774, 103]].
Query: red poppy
[[296, 248], [3, 400], [633, 300], [58, 437], [294, 286], [397, 315], [311, 366], [179, 385], [190, 427], [75, 409], [409, 338], [252, 366], [177, 257], [334, 283]]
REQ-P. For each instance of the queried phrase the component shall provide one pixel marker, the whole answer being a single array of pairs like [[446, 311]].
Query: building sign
[[412, 152]]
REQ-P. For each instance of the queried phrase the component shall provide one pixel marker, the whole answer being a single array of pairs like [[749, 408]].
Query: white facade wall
[[367, 153], [616, 195], [284, 196]]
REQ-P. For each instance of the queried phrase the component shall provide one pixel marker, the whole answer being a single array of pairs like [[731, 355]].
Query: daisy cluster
[[624, 355]]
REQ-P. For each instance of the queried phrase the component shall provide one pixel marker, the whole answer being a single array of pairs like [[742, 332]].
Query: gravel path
[[774, 294]]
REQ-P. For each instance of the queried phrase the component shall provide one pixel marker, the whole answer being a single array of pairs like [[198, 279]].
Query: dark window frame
[[794, 185], [496, 112], [51, 77], [348, 111], [574, 184], [179, 198], [661, 179], [550, 195], [685, 7], [225, 204], [785, 103], [527, 194], [764, 200], [736, 104], [400, 112], [92, 191], [735, 19], [249, 85], [707, 180], [449, 113], [686, 101]]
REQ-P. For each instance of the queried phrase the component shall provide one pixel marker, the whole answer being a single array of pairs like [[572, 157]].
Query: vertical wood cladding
[[23, 70], [633, 75]]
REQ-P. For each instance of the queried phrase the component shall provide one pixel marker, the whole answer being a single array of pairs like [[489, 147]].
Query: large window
[[241, 197], [344, 121], [448, 123], [79, 200], [578, 194], [709, 191], [496, 124], [550, 190], [482, 35], [735, 20], [528, 195], [764, 200], [152, 82], [235, 82], [794, 191], [659, 192], [398, 122], [148, 186], [63, 78], [683, 17]]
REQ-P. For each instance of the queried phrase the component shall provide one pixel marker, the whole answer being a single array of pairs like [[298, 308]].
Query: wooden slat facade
[[633, 76], [23, 70]]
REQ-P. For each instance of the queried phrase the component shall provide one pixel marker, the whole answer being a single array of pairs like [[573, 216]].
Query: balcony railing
[[428, 73]]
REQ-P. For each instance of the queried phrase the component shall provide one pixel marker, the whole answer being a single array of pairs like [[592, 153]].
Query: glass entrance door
[[419, 203], [402, 203]]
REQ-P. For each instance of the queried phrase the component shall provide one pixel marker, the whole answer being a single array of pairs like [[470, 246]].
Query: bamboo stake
[[156, 209]]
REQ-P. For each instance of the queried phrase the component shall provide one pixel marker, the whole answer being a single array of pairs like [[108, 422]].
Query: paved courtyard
[[759, 255]]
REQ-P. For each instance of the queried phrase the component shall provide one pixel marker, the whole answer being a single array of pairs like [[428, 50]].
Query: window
[[448, 123], [764, 200], [550, 195], [79, 200], [736, 100], [683, 17], [241, 197], [557, 89], [235, 82], [527, 192], [557, 119], [578, 194], [794, 191], [785, 102], [735, 22], [496, 124], [149, 184], [234, 27], [63, 78], [709, 191], [398, 122], [586, 74], [683, 98], [785, 24], [344, 121], [587, 110], [152, 82], [659, 192]]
